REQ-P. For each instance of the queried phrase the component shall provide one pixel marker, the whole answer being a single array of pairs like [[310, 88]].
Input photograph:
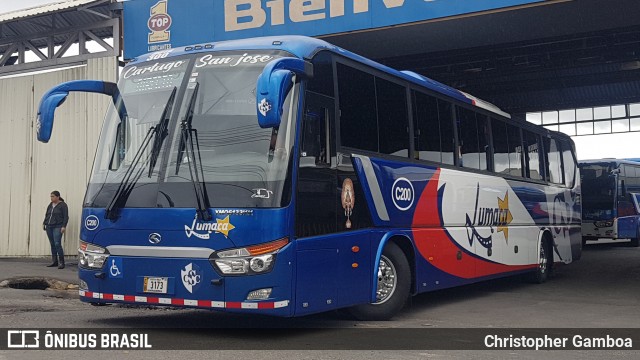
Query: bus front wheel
[[393, 286]]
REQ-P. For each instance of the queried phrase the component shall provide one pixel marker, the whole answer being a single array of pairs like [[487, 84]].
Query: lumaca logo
[[489, 217], [254, 15], [203, 230]]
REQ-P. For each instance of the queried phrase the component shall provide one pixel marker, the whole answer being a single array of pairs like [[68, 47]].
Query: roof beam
[[7, 54], [98, 40], [35, 50]]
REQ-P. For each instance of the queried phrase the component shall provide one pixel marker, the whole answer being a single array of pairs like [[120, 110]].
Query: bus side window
[[625, 203], [472, 139], [554, 161], [569, 165], [393, 118], [120, 149], [358, 113], [447, 132], [315, 128], [428, 137], [532, 153]]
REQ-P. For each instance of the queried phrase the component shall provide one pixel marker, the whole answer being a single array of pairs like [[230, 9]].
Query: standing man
[[55, 224]]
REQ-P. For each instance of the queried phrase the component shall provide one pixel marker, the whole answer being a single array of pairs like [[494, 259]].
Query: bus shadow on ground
[[467, 292]]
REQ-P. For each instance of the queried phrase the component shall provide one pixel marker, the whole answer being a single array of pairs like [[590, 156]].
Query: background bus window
[[554, 162], [532, 143], [393, 118], [358, 120], [632, 175], [472, 139]]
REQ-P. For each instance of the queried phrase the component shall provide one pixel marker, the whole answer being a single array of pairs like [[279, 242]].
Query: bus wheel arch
[[395, 279], [405, 244]]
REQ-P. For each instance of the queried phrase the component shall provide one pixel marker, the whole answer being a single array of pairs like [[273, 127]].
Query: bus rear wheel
[[393, 286], [635, 242], [545, 261]]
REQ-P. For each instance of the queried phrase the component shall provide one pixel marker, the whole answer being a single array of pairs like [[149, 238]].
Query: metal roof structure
[[555, 55], [44, 36], [43, 9]]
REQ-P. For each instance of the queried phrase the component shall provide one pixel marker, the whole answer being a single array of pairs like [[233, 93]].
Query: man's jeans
[[55, 240]]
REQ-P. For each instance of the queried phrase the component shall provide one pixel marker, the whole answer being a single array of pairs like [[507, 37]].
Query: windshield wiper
[[188, 133], [186, 123], [127, 184], [161, 131], [125, 187]]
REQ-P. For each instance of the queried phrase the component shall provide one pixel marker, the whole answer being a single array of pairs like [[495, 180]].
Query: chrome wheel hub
[[542, 262], [387, 280]]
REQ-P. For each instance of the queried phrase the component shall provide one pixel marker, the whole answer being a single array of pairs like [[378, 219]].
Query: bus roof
[[305, 47]]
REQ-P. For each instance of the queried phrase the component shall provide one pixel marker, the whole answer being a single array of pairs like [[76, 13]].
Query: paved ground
[[601, 291], [20, 268]]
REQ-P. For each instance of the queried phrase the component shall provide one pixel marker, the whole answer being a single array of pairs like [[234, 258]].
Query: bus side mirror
[[274, 83], [57, 95]]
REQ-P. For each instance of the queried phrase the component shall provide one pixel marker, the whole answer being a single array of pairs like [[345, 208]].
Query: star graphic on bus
[[224, 226], [505, 216]]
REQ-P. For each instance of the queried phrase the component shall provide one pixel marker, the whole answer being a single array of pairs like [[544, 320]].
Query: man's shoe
[[61, 266], [53, 264]]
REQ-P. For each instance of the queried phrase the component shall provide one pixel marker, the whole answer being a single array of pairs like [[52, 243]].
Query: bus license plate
[[156, 285]]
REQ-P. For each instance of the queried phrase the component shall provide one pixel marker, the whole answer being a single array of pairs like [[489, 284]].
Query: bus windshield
[[240, 163], [598, 191]]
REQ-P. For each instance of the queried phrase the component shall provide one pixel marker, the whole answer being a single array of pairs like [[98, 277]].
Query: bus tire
[[635, 242], [394, 284], [545, 261]]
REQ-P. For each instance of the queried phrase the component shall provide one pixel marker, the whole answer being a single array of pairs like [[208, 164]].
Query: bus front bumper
[[186, 282]]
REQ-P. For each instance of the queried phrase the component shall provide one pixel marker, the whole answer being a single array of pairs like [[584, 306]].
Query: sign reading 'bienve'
[[153, 25]]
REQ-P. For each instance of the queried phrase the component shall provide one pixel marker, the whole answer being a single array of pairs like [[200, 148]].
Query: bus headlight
[[601, 224], [251, 260], [91, 256]]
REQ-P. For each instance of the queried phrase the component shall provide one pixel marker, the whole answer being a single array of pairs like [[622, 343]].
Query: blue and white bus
[[610, 208], [287, 176]]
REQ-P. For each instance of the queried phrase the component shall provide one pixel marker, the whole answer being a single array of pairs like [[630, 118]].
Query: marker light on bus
[[260, 294], [91, 256], [250, 260]]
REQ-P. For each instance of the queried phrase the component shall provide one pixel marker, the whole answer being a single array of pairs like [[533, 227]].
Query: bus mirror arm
[[272, 87], [57, 95]]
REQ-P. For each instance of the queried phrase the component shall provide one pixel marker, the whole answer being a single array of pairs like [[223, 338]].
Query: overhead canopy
[[48, 31], [559, 54]]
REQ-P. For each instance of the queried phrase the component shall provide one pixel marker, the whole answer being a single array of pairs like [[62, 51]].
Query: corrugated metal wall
[[30, 170]]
